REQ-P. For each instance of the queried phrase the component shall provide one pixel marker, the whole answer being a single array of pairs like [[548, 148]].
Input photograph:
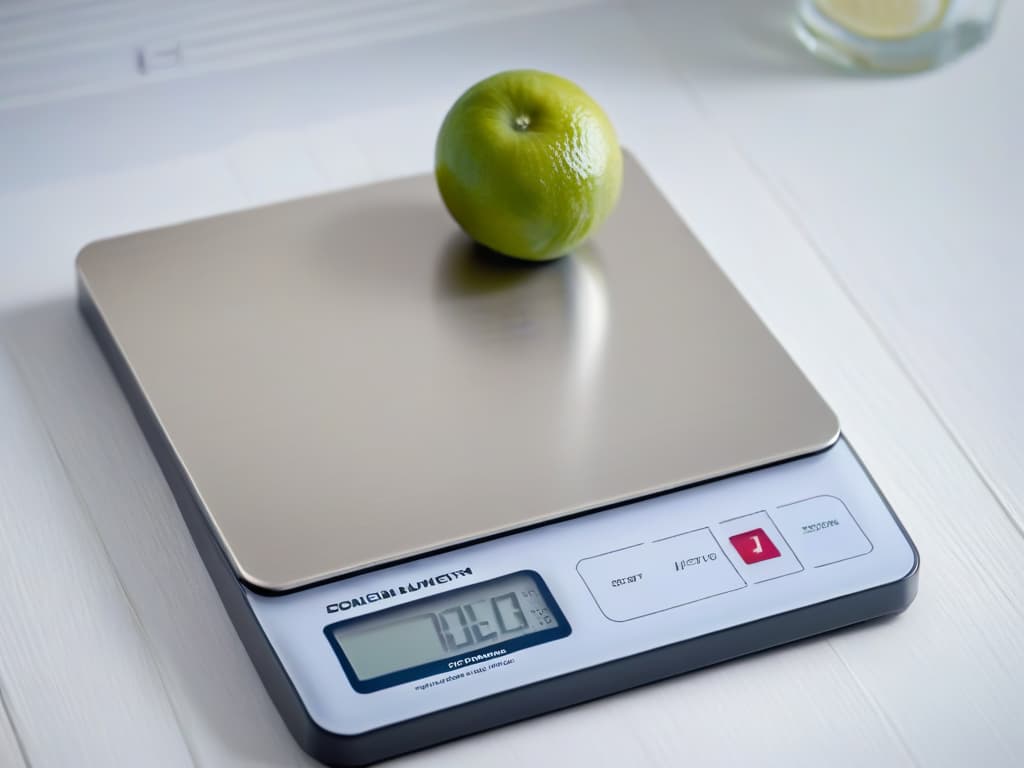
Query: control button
[[660, 575], [821, 531], [754, 546], [776, 558]]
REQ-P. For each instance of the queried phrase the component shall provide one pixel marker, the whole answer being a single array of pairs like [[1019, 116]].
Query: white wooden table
[[873, 223]]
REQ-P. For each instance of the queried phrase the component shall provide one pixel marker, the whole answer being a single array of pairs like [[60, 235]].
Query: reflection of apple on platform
[[528, 164]]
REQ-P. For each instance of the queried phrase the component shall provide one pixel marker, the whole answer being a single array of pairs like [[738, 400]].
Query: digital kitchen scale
[[440, 491]]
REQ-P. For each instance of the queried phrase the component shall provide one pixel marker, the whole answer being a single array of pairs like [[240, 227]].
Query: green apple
[[528, 164]]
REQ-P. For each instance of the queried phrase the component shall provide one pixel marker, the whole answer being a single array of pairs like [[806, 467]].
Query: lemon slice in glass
[[885, 19]]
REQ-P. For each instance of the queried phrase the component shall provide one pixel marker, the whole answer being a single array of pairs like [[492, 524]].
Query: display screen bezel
[[440, 666]]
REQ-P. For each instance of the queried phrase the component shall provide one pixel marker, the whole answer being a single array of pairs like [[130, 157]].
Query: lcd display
[[448, 631]]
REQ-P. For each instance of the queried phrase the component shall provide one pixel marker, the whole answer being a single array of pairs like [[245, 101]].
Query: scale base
[[680, 426], [512, 705]]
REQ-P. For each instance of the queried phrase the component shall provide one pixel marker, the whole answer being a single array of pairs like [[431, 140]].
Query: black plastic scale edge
[[499, 709]]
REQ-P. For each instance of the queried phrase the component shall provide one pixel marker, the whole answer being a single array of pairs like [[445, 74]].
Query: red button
[[754, 546]]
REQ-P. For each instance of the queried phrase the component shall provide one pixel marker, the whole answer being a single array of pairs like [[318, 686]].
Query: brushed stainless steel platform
[[347, 381]]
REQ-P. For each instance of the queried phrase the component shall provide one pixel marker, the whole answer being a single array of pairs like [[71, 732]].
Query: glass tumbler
[[893, 35]]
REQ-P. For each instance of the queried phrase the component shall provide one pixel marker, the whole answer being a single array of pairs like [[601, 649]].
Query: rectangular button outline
[[714, 538], [785, 541], [871, 544]]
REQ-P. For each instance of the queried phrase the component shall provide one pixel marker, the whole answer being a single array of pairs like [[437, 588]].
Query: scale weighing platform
[[439, 491]]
